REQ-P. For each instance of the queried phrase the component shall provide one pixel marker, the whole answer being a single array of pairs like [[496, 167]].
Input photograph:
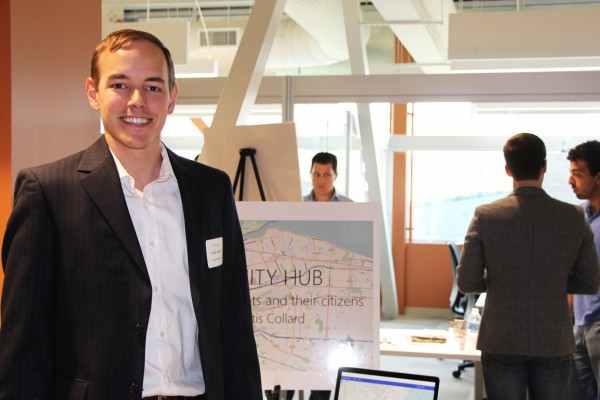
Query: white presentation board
[[313, 270], [276, 158]]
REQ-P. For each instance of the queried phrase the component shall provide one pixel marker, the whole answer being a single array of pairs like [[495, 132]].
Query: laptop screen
[[365, 384]]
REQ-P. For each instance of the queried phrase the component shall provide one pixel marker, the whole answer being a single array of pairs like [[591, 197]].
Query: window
[[447, 182], [448, 185], [334, 128]]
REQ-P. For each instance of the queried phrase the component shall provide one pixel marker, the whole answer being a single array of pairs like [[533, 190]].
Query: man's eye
[[118, 85], [154, 89]]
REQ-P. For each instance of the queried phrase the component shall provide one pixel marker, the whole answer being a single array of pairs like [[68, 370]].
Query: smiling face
[[133, 97]]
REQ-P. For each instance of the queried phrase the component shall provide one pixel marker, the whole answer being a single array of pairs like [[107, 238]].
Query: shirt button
[[151, 244], [168, 379], [139, 328], [155, 288], [162, 334], [133, 388]]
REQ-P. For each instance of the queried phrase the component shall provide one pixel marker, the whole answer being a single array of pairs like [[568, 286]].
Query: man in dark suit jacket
[[125, 272], [527, 251]]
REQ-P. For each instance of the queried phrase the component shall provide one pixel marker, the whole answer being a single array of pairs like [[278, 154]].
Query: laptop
[[368, 384]]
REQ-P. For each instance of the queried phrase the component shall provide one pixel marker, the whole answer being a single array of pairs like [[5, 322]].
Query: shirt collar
[[166, 169], [587, 207], [334, 196]]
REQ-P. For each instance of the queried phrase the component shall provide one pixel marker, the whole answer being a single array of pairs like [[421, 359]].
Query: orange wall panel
[[399, 239], [428, 275], [45, 51], [5, 120], [52, 44]]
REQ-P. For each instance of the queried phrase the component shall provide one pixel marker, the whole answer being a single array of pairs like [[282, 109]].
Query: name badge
[[214, 252]]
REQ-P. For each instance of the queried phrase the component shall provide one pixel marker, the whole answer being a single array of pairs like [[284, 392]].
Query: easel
[[241, 171]]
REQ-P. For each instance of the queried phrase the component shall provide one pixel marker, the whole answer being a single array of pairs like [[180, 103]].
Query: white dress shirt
[[172, 363]]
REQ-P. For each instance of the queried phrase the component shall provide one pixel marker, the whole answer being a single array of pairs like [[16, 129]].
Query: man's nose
[[137, 99]]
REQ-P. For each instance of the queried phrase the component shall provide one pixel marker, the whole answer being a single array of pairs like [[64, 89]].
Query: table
[[397, 342]]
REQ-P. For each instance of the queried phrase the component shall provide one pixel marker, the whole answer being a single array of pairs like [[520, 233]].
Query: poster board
[[276, 158], [313, 270]]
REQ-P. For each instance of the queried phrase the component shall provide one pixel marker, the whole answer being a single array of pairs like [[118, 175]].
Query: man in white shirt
[[125, 271]]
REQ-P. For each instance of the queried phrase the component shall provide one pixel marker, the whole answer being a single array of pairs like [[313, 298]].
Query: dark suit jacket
[[527, 251], [76, 298]]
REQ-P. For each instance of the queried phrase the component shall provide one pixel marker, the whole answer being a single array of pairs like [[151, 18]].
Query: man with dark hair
[[125, 270], [323, 172], [527, 251], [585, 181], [525, 156], [325, 158]]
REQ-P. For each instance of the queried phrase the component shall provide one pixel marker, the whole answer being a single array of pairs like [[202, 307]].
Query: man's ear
[[173, 98], [597, 178], [92, 93], [507, 171]]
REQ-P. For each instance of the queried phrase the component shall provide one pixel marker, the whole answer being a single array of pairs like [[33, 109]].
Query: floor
[[451, 388]]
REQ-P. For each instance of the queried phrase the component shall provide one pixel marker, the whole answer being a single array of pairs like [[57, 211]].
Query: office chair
[[460, 303]]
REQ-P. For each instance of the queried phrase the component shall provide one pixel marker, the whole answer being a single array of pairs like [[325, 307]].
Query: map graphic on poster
[[313, 287]]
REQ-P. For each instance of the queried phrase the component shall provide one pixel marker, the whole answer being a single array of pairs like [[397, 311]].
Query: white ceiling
[[311, 38]]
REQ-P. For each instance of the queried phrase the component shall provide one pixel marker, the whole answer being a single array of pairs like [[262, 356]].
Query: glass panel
[[444, 198], [447, 186]]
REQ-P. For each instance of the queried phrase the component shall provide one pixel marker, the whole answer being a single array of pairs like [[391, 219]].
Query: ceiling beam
[[495, 87], [242, 84]]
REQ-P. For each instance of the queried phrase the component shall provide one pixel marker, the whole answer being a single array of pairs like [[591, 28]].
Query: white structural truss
[[359, 66]]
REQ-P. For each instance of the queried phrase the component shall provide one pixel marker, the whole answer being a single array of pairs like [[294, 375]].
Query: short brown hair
[[119, 39], [525, 155]]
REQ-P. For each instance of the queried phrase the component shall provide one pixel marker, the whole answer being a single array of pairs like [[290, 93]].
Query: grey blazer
[[527, 251], [77, 295]]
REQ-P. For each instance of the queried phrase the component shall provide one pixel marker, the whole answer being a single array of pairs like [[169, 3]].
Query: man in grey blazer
[[125, 272], [527, 251]]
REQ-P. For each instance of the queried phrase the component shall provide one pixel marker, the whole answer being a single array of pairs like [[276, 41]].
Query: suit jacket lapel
[[100, 180]]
